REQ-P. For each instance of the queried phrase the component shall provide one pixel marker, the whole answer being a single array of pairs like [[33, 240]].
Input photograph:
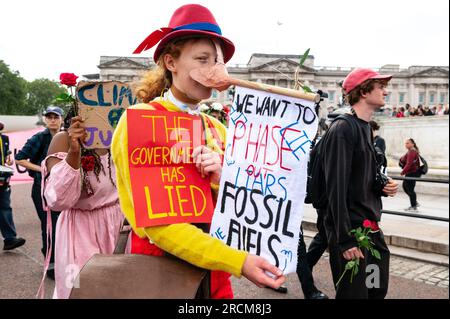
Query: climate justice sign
[[263, 185], [101, 105], [166, 185]]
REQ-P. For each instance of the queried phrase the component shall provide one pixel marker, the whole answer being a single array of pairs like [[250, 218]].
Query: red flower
[[375, 226], [367, 223], [364, 241], [68, 79], [88, 162], [370, 224]]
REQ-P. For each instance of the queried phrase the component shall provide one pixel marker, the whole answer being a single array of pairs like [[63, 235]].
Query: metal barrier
[[418, 179]]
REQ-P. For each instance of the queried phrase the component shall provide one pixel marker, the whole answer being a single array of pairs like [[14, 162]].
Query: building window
[[271, 81], [387, 98], [214, 94], [421, 97], [442, 98], [282, 83], [331, 96], [401, 98], [432, 98]]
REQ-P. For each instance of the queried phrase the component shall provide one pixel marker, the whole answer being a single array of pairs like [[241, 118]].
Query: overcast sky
[[42, 38]]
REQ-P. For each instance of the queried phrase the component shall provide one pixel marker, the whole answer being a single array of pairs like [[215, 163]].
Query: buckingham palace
[[417, 84]]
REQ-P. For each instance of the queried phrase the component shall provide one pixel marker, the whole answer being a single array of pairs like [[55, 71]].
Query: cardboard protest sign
[[263, 185], [166, 186], [101, 104]]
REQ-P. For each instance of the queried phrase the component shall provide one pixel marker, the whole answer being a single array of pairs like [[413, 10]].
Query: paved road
[[22, 268]]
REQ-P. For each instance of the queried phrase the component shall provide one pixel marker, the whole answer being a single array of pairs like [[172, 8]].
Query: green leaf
[[64, 98], [303, 58], [376, 254], [306, 89], [349, 265], [365, 243]]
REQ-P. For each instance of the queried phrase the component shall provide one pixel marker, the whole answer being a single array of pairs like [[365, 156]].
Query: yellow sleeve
[[185, 241]]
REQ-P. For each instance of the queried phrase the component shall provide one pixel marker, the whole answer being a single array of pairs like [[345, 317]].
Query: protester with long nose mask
[[193, 40]]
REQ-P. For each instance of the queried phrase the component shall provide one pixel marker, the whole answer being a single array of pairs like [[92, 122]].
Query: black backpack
[[315, 185], [424, 167]]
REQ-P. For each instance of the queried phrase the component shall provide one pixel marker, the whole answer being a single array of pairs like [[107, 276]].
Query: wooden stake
[[275, 89]]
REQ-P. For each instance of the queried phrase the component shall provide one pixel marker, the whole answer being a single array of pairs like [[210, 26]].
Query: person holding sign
[[79, 183], [192, 40]]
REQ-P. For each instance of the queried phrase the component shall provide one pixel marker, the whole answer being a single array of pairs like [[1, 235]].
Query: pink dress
[[87, 225]]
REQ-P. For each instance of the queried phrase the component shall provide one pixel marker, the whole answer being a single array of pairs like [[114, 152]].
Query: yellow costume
[[185, 241]]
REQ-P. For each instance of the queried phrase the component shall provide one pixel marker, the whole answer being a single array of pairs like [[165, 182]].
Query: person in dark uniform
[[7, 227], [354, 191], [30, 156]]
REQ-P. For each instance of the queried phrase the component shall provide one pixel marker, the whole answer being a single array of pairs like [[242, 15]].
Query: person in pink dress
[[81, 184]]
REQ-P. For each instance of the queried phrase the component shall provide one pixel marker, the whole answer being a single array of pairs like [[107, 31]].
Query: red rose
[[68, 79], [367, 223], [370, 224], [88, 163], [375, 226]]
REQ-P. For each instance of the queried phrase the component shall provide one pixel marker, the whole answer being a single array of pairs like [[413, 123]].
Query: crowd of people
[[420, 110], [82, 196]]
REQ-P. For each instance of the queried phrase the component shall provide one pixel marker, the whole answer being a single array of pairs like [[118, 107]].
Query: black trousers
[[372, 279], [408, 187], [319, 243], [42, 214], [303, 270]]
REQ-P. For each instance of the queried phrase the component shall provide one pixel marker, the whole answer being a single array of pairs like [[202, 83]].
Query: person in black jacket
[[30, 156], [378, 141], [353, 191], [380, 147], [7, 227]]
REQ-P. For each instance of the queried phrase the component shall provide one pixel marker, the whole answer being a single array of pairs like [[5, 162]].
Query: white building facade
[[426, 85]]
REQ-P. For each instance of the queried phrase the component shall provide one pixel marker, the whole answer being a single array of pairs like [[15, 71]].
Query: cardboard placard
[[101, 104], [263, 184], [166, 185]]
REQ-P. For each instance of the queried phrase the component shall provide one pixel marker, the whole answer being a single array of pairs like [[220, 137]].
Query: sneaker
[[411, 209], [417, 204], [13, 243], [281, 289], [316, 295], [51, 274]]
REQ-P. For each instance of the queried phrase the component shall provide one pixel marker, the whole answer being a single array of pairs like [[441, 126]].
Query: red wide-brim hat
[[188, 20]]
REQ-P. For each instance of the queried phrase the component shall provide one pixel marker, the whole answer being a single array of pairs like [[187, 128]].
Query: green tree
[[42, 93], [13, 91]]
